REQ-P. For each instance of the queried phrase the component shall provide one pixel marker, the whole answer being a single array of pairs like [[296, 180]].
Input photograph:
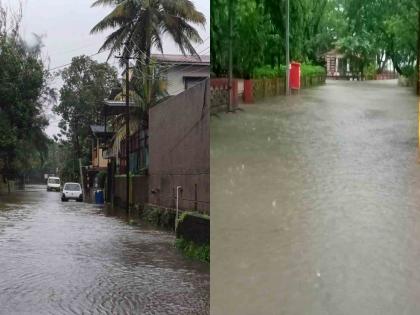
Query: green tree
[[380, 30], [259, 32], [24, 93], [252, 35], [86, 84], [140, 24]]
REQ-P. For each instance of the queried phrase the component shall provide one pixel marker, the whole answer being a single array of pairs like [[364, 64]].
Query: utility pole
[[126, 59], [418, 52], [127, 128], [287, 47], [230, 75], [81, 176]]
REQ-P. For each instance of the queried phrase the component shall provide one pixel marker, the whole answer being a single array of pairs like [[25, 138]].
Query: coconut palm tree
[[140, 24]]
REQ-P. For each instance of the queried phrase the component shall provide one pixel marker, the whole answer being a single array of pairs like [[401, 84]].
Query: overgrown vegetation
[[24, 97], [193, 251], [371, 33], [86, 84], [268, 72], [137, 27]]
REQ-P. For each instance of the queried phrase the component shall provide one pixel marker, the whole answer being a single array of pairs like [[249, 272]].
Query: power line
[[67, 64]]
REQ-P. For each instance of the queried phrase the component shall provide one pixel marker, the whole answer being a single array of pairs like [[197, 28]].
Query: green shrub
[[408, 71], [268, 72], [194, 251], [371, 71], [308, 70]]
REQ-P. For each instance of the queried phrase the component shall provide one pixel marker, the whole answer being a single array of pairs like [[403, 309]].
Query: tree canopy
[[86, 83], [24, 94], [372, 32], [139, 25]]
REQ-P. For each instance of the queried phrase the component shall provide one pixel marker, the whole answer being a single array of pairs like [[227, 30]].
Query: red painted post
[[234, 94], [295, 76], [248, 92]]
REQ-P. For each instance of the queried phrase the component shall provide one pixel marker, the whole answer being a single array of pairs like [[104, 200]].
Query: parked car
[[53, 183], [72, 191]]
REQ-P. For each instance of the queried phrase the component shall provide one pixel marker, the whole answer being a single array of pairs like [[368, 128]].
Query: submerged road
[[316, 204], [71, 258]]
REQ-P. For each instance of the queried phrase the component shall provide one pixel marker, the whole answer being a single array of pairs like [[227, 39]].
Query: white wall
[[175, 76]]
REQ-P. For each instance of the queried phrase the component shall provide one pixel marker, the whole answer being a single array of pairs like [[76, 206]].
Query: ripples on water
[[69, 258], [316, 204]]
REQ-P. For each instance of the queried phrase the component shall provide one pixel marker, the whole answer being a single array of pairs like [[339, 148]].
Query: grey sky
[[66, 25]]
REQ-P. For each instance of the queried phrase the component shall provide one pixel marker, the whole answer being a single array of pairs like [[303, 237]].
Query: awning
[[98, 131], [112, 108]]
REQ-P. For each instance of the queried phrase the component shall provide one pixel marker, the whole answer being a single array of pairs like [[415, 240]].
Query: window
[[72, 187], [139, 152], [54, 180], [192, 81]]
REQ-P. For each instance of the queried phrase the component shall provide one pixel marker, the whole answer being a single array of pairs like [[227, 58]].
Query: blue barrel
[[99, 197]]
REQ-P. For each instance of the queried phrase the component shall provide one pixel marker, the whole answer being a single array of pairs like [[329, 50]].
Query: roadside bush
[[308, 70], [193, 251], [371, 72], [268, 72]]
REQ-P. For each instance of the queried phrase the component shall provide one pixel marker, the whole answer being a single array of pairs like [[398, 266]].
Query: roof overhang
[[98, 131], [112, 108]]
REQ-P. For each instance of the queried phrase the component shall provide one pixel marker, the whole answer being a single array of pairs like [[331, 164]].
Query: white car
[[53, 183], [72, 191]]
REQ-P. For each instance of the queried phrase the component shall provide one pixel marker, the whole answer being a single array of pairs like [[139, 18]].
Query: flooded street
[[316, 203], [70, 258]]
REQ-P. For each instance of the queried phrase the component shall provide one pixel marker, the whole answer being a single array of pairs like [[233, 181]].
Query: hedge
[[268, 72]]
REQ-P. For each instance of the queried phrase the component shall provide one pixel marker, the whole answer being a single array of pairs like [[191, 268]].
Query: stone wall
[[219, 95]]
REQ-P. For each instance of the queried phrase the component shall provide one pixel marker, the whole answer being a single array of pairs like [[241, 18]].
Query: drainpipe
[[178, 188]]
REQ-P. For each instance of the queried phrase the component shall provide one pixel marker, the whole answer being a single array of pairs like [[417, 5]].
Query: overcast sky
[[66, 25]]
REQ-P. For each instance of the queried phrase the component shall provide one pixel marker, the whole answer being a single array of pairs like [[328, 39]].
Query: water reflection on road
[[70, 258], [316, 204]]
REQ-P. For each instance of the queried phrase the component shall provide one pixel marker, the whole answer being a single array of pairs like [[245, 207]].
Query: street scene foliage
[[138, 27], [370, 33], [24, 96], [26, 93], [86, 83]]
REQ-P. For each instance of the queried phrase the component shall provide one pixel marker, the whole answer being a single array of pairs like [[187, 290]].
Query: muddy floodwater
[[316, 204], [71, 258]]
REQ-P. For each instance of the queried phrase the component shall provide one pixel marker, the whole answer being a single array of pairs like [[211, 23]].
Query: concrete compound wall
[[139, 190], [195, 228], [261, 88], [179, 150]]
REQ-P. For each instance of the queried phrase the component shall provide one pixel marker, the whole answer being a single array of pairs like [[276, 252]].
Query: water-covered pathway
[[70, 258], [316, 204]]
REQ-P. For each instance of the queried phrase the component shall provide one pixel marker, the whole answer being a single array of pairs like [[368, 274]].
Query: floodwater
[[71, 258], [316, 204]]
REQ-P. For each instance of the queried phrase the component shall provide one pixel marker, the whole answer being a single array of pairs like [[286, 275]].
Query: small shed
[[337, 64]]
